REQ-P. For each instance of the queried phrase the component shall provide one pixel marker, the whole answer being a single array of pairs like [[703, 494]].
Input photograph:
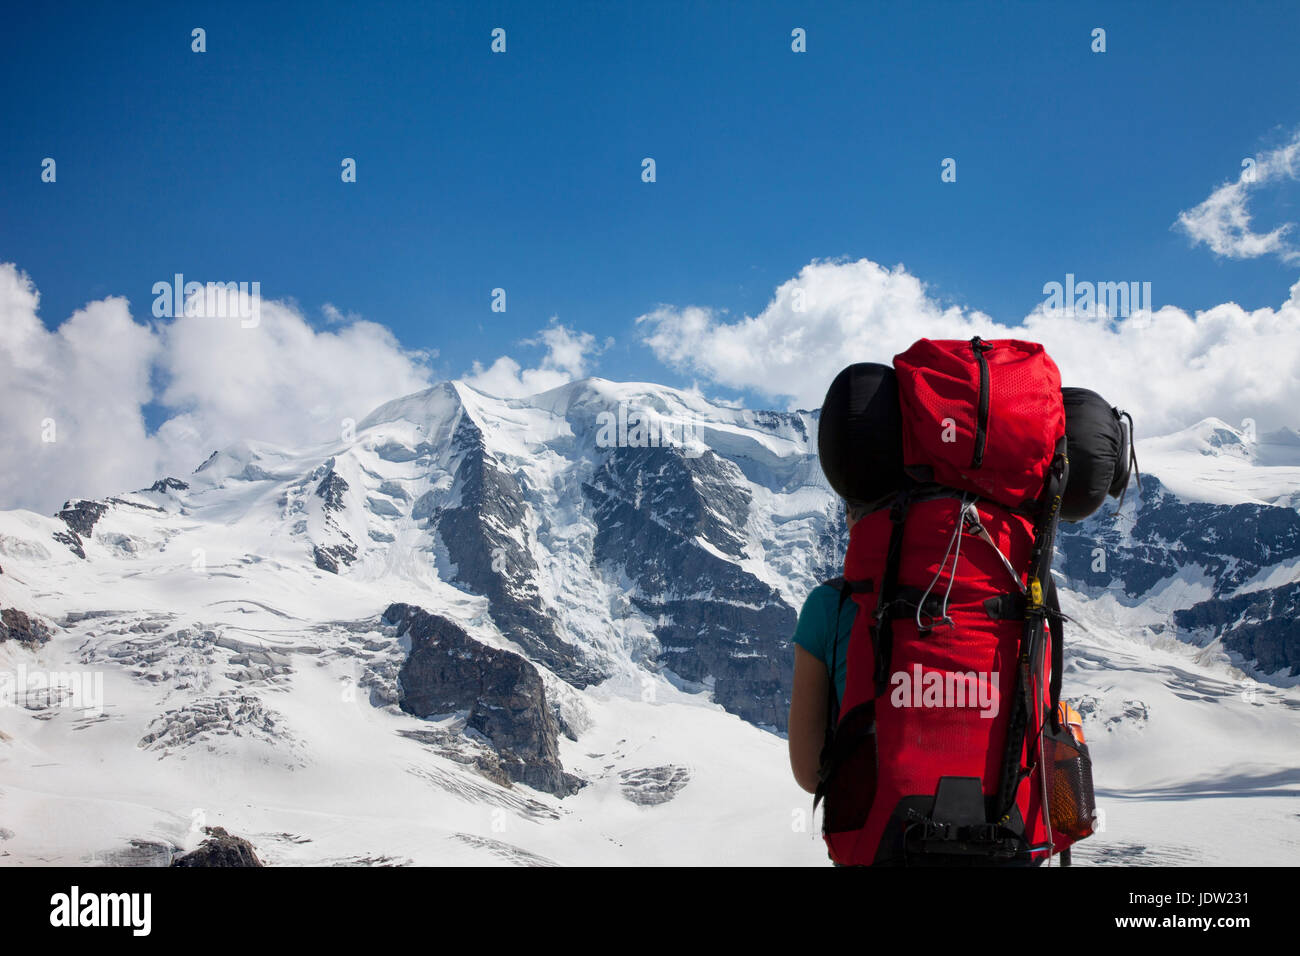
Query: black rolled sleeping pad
[[860, 433], [1098, 450]]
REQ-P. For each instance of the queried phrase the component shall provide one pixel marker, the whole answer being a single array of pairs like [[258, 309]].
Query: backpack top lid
[[859, 433], [981, 416], [1098, 446]]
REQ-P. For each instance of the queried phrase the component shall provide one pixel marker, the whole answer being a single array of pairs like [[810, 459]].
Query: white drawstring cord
[[954, 548]]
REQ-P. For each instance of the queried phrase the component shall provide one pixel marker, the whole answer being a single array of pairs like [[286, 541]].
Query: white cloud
[[83, 386], [282, 381], [1169, 368], [1223, 221], [230, 366], [569, 356], [336, 316], [219, 381]]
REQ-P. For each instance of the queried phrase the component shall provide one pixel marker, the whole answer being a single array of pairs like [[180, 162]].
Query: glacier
[[616, 621]]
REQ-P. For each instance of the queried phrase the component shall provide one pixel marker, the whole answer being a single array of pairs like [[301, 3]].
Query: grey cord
[[955, 540]]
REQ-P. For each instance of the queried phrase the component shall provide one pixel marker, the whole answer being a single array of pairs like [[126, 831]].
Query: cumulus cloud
[[281, 381], [1168, 367], [569, 356], [1223, 221], [336, 316], [73, 400]]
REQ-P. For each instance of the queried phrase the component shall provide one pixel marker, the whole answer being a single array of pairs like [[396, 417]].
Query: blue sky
[[522, 170]]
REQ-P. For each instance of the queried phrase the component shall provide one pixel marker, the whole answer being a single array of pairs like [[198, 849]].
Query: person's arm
[[807, 728]]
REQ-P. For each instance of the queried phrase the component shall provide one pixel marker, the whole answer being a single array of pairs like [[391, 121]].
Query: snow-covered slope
[[611, 572], [1216, 463]]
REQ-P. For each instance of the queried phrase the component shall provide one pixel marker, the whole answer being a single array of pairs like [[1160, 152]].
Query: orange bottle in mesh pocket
[[1071, 802]]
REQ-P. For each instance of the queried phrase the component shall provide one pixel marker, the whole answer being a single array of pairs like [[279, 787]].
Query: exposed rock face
[[15, 625], [169, 484], [327, 557], [1229, 543], [72, 541], [133, 504], [448, 671], [657, 512], [80, 516], [331, 489], [1226, 545], [220, 849], [482, 536], [1260, 625]]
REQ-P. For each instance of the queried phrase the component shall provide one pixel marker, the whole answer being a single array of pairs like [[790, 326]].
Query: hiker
[[925, 714], [821, 641]]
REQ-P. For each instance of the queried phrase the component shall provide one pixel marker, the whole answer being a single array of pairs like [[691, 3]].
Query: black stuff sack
[[860, 434], [1097, 444]]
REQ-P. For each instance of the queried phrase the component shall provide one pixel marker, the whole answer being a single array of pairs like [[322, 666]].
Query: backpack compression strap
[[1037, 613], [1057, 629], [863, 715], [882, 629]]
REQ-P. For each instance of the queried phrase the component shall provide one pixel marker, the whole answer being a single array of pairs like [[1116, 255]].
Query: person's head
[[853, 511]]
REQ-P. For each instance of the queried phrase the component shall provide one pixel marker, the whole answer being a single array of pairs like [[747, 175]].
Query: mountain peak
[[1209, 436], [428, 407]]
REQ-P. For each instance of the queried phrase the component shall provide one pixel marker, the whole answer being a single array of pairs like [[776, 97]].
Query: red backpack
[[950, 746]]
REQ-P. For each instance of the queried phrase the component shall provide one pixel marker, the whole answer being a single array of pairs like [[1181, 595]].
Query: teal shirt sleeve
[[815, 630]]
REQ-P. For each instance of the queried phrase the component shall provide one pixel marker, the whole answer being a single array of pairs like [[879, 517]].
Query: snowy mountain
[[556, 629], [1210, 551]]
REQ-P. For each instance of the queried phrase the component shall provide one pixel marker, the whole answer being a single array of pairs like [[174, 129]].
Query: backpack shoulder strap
[[883, 626], [845, 589], [831, 750]]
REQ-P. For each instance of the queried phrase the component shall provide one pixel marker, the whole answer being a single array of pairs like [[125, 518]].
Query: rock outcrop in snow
[[500, 694]]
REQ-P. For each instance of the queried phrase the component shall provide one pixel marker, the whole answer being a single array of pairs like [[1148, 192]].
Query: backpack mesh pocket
[[1071, 802]]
